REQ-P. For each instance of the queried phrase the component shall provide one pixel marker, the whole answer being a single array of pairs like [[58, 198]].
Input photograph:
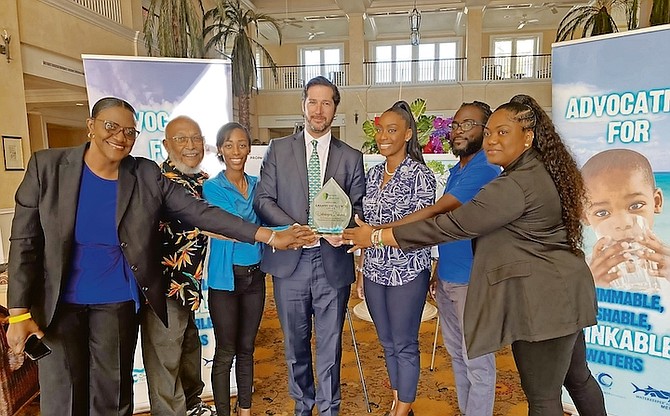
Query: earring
[[90, 135], [526, 145]]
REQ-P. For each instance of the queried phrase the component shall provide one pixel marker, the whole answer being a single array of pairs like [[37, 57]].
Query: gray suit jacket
[[525, 284], [44, 218], [282, 198]]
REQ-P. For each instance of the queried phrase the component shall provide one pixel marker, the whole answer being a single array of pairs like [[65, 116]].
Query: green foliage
[[592, 19], [424, 126], [173, 28], [437, 167], [660, 12], [226, 26]]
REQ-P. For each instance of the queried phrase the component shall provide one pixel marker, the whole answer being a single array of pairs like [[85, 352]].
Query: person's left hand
[[358, 237], [294, 237]]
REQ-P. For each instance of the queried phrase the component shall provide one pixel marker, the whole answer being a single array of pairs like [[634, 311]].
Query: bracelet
[[376, 238], [271, 239], [15, 319]]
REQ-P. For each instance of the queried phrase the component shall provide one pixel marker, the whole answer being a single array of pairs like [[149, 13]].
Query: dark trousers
[[172, 359], [543, 368], [89, 371], [236, 316], [299, 297], [580, 384], [396, 312]]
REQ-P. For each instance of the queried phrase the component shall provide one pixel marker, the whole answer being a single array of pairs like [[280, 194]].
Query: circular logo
[[605, 379]]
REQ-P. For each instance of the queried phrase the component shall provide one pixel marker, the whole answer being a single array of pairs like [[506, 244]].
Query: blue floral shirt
[[411, 188]]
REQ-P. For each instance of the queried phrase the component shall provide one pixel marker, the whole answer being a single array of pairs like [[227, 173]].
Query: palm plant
[[229, 24], [660, 12], [174, 28], [594, 20]]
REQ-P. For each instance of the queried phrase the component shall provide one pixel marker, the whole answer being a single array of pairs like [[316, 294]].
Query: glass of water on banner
[[634, 272]]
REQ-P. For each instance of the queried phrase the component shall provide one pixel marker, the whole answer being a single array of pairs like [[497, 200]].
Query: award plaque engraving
[[331, 208]]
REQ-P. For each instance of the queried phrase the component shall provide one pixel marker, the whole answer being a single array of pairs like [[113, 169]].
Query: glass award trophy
[[331, 208]]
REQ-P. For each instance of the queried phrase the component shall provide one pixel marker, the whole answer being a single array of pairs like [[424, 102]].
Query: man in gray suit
[[313, 281]]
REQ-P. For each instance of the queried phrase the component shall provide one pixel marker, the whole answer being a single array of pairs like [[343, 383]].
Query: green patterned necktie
[[314, 178]]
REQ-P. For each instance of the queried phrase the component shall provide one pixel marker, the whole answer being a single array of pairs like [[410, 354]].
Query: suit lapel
[[300, 154], [69, 180], [126, 187], [334, 156]]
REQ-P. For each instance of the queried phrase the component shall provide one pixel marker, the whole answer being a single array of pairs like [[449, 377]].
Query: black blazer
[[282, 198], [525, 283], [43, 227]]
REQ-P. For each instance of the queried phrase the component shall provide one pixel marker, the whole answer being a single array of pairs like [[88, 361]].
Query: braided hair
[[482, 106], [557, 160]]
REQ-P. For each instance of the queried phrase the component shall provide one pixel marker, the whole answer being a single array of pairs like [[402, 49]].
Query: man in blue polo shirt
[[476, 378]]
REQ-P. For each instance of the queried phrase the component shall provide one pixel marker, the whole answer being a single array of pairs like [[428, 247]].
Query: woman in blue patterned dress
[[396, 283]]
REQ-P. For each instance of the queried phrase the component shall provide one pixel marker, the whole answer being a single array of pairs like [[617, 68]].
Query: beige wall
[[69, 35], [12, 101]]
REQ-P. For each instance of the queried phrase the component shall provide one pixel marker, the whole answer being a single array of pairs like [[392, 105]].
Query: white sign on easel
[[204, 324]]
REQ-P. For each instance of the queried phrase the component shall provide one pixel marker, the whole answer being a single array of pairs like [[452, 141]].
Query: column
[[473, 43], [356, 49]]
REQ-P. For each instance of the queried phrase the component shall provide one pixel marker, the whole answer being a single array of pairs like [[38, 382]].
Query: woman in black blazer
[[85, 253], [530, 285]]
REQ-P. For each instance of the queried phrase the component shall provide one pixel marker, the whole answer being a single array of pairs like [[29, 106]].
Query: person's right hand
[[18, 333], [604, 259], [294, 236]]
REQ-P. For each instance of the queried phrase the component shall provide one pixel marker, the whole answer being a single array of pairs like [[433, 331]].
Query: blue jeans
[[396, 313]]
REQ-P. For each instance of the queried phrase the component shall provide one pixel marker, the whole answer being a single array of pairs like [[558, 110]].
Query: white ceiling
[[388, 19]]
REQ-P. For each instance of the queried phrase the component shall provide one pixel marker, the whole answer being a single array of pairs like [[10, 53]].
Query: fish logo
[[652, 392]]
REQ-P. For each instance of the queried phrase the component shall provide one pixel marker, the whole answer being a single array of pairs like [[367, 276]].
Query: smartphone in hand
[[35, 348]]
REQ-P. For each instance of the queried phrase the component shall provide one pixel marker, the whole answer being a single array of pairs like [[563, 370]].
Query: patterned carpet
[[436, 395]]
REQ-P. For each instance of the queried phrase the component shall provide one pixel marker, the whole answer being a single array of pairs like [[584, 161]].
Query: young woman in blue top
[[236, 282], [396, 283]]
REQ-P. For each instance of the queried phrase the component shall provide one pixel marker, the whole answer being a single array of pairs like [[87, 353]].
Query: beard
[[183, 168], [317, 128], [470, 149]]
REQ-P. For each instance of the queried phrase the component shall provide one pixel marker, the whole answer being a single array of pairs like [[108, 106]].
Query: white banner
[[611, 103], [160, 89]]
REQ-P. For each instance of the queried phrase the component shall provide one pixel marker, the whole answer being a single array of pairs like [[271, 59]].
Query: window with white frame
[[428, 62], [515, 56], [324, 60]]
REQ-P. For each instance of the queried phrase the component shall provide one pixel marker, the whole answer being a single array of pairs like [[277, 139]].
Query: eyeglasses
[[113, 128], [197, 139], [465, 126]]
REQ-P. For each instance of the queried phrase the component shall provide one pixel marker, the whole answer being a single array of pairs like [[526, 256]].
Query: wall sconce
[[4, 47], [414, 25], [356, 116]]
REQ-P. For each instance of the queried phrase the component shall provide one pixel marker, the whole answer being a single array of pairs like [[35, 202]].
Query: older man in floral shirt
[[172, 355]]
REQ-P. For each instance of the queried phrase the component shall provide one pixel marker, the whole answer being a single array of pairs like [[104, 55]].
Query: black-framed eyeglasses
[[113, 128], [465, 126], [197, 139]]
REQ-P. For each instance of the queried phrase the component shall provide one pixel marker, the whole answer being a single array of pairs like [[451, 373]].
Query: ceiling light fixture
[[414, 25]]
